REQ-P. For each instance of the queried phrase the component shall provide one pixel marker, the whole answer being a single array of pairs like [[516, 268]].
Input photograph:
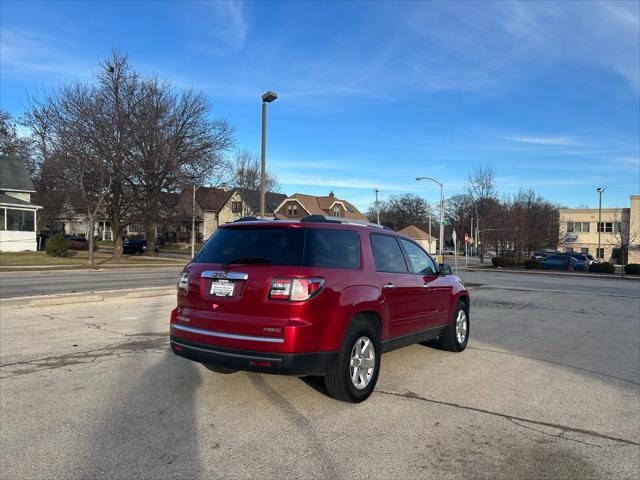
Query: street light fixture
[[600, 190], [267, 97], [441, 212]]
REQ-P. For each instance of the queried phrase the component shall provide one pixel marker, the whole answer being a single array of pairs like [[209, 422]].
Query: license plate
[[222, 288]]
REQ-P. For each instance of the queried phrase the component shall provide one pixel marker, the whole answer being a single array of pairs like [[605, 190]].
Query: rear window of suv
[[330, 248]]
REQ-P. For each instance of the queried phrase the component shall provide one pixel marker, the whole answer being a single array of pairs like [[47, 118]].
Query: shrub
[[57, 246], [532, 263], [603, 267], [503, 261], [632, 269]]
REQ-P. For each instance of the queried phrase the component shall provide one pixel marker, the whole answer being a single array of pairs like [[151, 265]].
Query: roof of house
[[9, 200], [13, 174], [414, 232], [213, 199], [322, 205], [271, 199]]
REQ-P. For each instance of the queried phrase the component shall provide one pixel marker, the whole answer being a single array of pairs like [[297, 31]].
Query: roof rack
[[246, 219], [342, 220]]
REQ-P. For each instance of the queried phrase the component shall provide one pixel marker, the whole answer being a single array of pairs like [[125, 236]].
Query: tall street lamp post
[[599, 227], [441, 212], [268, 97]]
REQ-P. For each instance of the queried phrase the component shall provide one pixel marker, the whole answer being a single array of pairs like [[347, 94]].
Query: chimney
[[224, 187], [331, 194]]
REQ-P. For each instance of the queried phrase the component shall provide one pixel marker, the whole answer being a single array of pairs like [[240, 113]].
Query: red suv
[[314, 297]]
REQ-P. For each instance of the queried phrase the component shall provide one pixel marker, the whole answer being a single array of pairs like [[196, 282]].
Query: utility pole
[[377, 207], [599, 227], [193, 222]]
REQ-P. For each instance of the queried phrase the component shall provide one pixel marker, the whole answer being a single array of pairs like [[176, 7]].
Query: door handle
[[389, 286], [425, 285]]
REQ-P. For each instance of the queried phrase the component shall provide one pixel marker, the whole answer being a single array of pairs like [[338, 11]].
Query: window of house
[[336, 211], [570, 227], [569, 250], [599, 252], [236, 207], [585, 227], [387, 254], [419, 261], [584, 250], [20, 220], [606, 227], [2, 217], [292, 209]]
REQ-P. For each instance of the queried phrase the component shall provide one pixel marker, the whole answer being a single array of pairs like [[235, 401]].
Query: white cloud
[[544, 140]]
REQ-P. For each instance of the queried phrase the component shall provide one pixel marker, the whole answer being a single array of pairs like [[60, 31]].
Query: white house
[[17, 213]]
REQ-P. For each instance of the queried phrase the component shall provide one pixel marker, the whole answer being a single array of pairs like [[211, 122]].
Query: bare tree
[[625, 233], [12, 144], [175, 142], [481, 187], [245, 175], [64, 120], [400, 211]]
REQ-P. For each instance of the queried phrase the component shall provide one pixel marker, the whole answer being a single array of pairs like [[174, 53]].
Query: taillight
[[295, 289], [183, 283]]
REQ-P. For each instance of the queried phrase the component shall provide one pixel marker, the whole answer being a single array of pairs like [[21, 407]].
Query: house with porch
[[18, 216]]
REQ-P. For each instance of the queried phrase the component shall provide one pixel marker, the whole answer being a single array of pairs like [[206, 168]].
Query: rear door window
[[419, 261], [282, 246], [387, 254], [332, 248]]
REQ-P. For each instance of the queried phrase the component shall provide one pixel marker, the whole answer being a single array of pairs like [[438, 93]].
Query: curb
[[85, 297], [62, 268], [549, 273]]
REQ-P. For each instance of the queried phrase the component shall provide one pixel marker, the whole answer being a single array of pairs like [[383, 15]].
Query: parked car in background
[[315, 297], [564, 261], [589, 257], [134, 245], [449, 251]]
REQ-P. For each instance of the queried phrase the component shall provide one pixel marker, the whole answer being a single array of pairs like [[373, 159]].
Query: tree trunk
[[149, 235], [116, 229]]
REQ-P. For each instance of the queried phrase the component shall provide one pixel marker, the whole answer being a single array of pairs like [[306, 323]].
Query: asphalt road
[[17, 284], [14, 284], [549, 387]]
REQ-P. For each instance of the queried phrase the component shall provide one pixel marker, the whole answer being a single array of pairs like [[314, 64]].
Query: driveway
[[549, 387]]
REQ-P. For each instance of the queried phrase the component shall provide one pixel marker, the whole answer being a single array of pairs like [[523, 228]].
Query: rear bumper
[[315, 363]]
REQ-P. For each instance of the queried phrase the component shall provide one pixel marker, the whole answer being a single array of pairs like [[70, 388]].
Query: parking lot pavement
[[549, 387]]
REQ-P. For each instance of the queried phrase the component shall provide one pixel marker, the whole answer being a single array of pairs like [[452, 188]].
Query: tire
[[338, 381], [221, 370], [449, 341]]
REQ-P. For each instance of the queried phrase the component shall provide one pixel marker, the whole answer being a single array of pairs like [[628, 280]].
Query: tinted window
[[419, 261], [283, 246], [387, 254], [332, 248]]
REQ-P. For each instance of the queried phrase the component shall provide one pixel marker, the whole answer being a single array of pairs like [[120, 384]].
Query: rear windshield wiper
[[246, 260]]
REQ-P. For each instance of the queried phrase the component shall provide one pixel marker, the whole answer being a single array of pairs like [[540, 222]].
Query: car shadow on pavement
[[148, 427]]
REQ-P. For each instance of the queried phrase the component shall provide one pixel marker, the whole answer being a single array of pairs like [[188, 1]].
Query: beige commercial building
[[619, 230]]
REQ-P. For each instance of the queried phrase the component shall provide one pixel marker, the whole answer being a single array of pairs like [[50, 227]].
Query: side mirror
[[445, 269]]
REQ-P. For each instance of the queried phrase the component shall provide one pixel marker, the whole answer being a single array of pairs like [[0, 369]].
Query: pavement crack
[[324, 461], [512, 418], [152, 342]]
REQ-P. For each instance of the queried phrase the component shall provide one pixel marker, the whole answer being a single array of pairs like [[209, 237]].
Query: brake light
[[295, 289], [183, 283]]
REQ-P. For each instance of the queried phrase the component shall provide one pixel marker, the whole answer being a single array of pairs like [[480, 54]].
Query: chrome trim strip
[[218, 352], [225, 275], [213, 333]]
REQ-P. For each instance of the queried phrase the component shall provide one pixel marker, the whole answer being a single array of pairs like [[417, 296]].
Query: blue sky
[[373, 94]]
